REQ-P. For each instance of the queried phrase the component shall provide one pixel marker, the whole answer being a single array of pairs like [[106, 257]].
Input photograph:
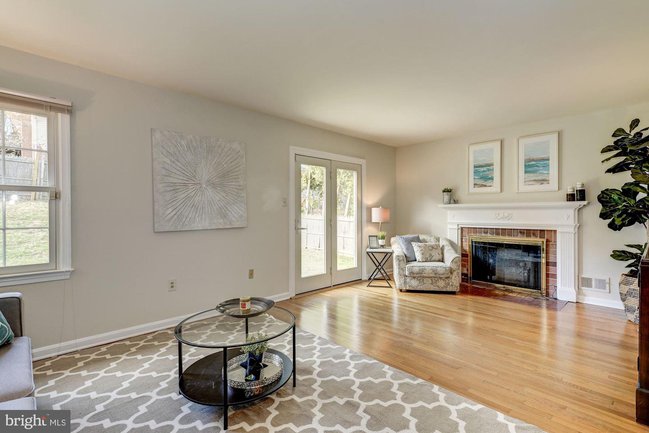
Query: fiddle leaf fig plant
[[633, 257], [628, 205], [623, 207]]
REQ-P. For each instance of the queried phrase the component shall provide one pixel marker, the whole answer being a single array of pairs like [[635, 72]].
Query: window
[[34, 189]]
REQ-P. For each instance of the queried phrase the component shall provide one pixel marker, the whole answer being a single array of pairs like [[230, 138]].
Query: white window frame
[[60, 266]]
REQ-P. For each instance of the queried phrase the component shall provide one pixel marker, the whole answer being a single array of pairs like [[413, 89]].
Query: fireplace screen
[[516, 262]]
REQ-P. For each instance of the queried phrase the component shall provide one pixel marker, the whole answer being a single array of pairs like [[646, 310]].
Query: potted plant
[[628, 205], [447, 195], [254, 363], [381, 237], [629, 288]]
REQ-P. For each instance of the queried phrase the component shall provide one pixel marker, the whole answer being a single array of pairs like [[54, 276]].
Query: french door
[[327, 223]]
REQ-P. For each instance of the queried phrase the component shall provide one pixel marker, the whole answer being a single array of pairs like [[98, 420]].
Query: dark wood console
[[642, 391]]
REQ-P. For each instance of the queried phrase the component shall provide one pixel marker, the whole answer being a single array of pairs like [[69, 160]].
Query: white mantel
[[560, 216]]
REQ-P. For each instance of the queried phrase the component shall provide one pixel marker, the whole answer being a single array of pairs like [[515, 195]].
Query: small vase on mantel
[[447, 196]]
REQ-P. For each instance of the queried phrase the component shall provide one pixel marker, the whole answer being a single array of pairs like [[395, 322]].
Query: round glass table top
[[212, 329]]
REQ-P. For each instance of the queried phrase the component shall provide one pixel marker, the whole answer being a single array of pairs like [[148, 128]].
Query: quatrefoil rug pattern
[[132, 386]]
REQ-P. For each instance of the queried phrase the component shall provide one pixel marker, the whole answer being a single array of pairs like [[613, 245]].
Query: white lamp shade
[[380, 215]]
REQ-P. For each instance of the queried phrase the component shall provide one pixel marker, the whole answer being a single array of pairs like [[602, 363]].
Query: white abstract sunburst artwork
[[199, 183]]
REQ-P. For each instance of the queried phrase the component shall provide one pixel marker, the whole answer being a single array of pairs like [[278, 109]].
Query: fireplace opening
[[512, 262]]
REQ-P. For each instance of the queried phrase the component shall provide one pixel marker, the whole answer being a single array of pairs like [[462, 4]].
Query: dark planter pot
[[253, 365]]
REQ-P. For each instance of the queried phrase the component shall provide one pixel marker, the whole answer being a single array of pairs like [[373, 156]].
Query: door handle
[[301, 228]]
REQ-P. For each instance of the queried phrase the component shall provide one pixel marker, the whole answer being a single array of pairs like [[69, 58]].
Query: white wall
[[424, 169], [121, 266]]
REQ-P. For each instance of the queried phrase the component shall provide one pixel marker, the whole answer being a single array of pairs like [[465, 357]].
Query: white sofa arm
[[451, 257], [398, 264]]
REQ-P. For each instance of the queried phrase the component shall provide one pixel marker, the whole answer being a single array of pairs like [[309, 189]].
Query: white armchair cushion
[[427, 269], [428, 252]]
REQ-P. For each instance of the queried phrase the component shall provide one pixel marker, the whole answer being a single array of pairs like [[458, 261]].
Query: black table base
[[379, 273], [206, 382]]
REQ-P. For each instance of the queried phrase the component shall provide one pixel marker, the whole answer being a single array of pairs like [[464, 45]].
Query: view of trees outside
[[346, 219], [313, 208], [313, 211], [313, 190], [25, 226]]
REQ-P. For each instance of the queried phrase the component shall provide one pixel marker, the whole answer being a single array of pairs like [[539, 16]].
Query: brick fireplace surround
[[557, 222], [550, 237]]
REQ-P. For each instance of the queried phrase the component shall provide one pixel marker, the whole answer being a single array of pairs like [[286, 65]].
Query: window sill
[[35, 277]]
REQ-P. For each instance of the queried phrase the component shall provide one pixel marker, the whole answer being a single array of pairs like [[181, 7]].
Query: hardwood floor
[[564, 367]]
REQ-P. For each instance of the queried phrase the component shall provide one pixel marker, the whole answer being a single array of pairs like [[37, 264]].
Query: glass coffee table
[[206, 381]]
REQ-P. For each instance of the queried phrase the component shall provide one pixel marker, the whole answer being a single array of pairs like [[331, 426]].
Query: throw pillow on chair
[[428, 252]]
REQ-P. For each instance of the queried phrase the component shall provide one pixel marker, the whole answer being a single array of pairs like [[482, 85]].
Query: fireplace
[[508, 261], [556, 222], [546, 239]]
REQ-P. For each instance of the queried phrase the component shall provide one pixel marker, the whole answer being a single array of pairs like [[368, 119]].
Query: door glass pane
[[25, 151], [346, 218], [313, 211]]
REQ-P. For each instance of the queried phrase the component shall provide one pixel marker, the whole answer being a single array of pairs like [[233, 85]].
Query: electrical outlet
[[171, 286], [251, 274]]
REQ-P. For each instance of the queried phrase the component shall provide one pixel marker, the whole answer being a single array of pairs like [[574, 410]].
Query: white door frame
[[293, 151]]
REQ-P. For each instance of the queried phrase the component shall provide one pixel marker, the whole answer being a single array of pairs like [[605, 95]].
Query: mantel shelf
[[521, 205]]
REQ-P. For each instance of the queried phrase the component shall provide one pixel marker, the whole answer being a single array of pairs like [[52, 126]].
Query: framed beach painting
[[538, 162], [484, 167]]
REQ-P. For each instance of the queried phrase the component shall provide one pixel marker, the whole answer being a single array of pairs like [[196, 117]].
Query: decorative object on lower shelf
[[269, 374], [630, 296], [254, 361]]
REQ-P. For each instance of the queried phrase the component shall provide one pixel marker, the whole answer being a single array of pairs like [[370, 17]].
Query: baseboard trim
[[592, 300], [120, 334]]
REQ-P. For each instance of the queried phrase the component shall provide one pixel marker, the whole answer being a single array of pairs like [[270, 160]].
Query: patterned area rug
[[132, 386]]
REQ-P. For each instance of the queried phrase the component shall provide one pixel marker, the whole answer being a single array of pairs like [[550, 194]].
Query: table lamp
[[380, 215]]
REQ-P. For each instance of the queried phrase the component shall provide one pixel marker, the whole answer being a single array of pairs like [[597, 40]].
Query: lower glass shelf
[[202, 382]]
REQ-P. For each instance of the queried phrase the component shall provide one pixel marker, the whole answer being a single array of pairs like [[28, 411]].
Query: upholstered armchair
[[16, 373], [443, 276]]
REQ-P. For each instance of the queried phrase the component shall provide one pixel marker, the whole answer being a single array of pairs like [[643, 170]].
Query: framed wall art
[[484, 167], [538, 162], [199, 183]]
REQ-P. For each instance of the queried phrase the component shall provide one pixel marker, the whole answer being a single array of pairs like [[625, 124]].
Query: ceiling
[[392, 71]]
